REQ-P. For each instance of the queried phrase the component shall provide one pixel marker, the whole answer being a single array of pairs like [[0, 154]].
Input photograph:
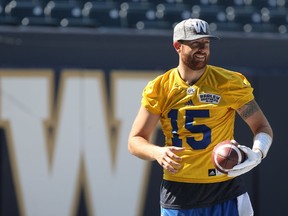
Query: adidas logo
[[214, 172], [211, 172], [189, 103]]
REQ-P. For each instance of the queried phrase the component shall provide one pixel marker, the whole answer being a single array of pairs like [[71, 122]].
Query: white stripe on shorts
[[244, 205]]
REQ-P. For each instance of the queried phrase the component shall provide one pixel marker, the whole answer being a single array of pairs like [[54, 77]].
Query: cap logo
[[192, 29], [200, 27]]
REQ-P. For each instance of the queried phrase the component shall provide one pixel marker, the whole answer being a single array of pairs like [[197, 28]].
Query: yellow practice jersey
[[197, 117]]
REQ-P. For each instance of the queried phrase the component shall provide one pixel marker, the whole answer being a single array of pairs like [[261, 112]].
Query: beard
[[195, 63]]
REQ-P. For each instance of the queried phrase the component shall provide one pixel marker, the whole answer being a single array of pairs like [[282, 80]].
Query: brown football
[[226, 155]]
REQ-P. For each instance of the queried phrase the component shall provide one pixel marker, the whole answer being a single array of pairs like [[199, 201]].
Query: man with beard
[[196, 105]]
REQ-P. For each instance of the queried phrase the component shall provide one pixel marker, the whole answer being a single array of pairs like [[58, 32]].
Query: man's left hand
[[254, 158]]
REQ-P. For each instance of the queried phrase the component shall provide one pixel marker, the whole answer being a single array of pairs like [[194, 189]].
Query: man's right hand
[[168, 159]]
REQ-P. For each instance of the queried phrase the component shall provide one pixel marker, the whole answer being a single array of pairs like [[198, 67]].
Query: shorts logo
[[209, 98]]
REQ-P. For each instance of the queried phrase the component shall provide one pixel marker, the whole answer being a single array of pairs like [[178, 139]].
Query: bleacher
[[222, 15]]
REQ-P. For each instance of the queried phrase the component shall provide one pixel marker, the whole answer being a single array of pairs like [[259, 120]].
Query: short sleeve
[[240, 91], [150, 97]]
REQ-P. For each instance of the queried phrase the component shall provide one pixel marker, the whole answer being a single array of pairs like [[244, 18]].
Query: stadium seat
[[63, 9], [173, 2], [278, 16], [40, 21], [269, 4], [260, 27], [173, 13], [2, 10], [76, 22], [241, 14], [131, 13], [106, 14], [21, 9], [229, 3], [203, 2], [3, 3], [226, 27], [155, 24], [128, 1], [283, 29], [9, 21], [211, 13]]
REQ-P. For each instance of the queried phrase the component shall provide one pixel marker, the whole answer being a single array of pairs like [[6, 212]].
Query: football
[[226, 155]]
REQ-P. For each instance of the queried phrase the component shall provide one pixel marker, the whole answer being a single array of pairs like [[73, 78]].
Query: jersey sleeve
[[240, 91], [150, 97]]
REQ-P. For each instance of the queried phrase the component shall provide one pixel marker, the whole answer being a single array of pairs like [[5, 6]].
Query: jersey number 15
[[189, 119]]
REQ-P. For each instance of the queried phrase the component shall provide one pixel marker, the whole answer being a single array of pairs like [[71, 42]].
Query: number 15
[[190, 115]]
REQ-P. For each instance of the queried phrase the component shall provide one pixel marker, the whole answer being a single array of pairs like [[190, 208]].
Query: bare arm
[[254, 117], [263, 135], [140, 146], [142, 128]]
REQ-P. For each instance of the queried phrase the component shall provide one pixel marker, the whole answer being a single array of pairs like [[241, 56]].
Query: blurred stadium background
[[223, 15], [71, 76]]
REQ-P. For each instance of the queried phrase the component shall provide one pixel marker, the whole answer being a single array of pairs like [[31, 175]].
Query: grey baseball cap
[[192, 29]]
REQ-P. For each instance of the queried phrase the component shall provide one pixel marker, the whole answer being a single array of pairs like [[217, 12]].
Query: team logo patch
[[209, 98], [191, 90]]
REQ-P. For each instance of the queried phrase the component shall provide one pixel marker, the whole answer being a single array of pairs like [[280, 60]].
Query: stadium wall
[[68, 98]]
